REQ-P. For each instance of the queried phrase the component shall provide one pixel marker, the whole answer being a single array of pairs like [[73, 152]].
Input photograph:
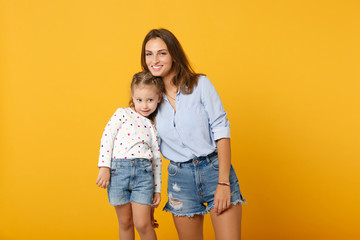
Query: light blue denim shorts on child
[[192, 185], [131, 181]]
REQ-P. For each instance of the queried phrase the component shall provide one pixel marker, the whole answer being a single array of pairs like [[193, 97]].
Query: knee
[[126, 223], [142, 225]]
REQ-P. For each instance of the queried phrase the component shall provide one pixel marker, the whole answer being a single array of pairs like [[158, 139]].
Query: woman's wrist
[[224, 183]]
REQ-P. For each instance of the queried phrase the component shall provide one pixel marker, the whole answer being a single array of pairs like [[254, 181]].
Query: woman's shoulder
[[204, 82]]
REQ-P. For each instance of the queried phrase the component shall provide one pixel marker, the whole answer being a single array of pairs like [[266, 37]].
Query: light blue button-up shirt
[[192, 130]]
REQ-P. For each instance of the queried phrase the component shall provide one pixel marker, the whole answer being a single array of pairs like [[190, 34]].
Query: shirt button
[[196, 161]]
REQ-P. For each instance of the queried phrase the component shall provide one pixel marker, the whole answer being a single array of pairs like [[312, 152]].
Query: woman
[[195, 137]]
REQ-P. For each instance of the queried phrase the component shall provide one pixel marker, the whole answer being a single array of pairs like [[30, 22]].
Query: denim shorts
[[131, 181], [192, 185]]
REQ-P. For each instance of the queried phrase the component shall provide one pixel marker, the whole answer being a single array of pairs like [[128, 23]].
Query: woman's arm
[[223, 192]]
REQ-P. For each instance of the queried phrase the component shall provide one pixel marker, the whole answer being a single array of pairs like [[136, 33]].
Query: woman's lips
[[156, 68]]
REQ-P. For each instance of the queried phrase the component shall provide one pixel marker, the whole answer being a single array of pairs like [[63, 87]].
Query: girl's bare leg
[[227, 225], [142, 221], [126, 226], [189, 228]]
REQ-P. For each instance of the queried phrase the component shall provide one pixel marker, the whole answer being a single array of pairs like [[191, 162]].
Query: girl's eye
[[150, 100], [139, 100]]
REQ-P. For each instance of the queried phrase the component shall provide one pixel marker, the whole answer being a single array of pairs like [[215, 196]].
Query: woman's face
[[158, 59]]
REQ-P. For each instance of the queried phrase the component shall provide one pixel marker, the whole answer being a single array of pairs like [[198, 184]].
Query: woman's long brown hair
[[185, 78]]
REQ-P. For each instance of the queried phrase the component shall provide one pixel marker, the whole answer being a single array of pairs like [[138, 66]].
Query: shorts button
[[196, 161], [132, 161]]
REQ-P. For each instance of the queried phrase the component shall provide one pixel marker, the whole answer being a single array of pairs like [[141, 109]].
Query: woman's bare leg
[[126, 226], [227, 225], [142, 221], [189, 228]]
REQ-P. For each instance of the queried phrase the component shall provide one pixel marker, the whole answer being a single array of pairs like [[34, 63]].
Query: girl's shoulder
[[121, 109], [124, 110]]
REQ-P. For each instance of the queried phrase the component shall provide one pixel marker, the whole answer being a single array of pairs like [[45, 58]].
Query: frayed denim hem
[[116, 204], [241, 201], [189, 215]]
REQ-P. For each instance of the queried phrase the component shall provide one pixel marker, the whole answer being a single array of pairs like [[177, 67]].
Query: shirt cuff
[[103, 163], [157, 188], [221, 132]]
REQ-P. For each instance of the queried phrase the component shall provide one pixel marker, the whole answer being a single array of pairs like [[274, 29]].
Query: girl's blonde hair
[[145, 78]]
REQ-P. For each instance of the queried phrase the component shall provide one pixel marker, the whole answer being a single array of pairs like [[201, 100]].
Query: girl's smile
[[145, 99]]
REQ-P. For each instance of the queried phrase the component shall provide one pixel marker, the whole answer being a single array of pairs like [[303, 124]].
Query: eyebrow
[[157, 50]]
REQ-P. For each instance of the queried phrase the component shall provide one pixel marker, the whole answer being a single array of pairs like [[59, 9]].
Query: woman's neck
[[169, 85]]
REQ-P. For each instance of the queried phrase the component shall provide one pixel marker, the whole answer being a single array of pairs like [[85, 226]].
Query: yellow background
[[288, 73]]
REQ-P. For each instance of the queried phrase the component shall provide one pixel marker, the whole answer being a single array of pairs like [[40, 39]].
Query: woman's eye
[[147, 54], [163, 53]]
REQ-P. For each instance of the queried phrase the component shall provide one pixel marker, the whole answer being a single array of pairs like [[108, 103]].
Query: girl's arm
[[107, 141], [108, 138], [156, 163], [223, 193], [156, 199]]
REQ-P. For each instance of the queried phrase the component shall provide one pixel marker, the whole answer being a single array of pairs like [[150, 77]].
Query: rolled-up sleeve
[[219, 124]]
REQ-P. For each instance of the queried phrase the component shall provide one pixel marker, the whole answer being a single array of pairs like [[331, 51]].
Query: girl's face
[[145, 99], [158, 59]]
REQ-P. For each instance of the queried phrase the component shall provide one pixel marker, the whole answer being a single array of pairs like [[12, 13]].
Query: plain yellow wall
[[288, 73]]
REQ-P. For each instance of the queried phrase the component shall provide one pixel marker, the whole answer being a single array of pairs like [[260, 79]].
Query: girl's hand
[[222, 199], [156, 199], [103, 179]]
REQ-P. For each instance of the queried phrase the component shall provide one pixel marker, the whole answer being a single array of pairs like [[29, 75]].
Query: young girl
[[130, 153]]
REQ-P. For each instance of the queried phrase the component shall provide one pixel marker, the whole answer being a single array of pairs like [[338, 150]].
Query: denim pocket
[[113, 171], [147, 167], [215, 164], [172, 170]]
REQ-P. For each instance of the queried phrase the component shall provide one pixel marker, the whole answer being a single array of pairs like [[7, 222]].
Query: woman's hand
[[222, 198], [156, 199], [103, 179], [154, 222]]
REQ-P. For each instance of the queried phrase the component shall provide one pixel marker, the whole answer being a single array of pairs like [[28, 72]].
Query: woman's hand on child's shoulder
[[103, 179]]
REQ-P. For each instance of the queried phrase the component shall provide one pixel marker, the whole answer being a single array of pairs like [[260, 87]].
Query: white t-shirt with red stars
[[128, 135]]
